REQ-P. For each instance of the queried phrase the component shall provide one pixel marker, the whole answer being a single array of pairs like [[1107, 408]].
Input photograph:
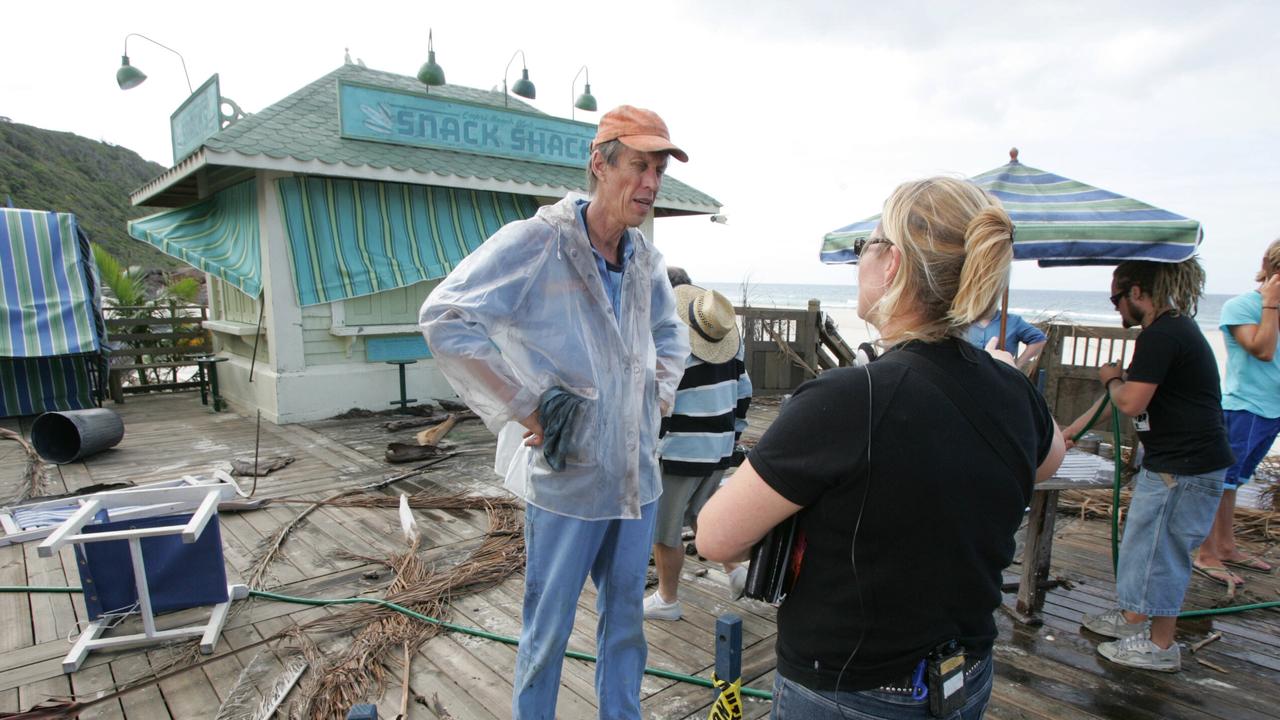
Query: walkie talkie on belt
[[947, 692]]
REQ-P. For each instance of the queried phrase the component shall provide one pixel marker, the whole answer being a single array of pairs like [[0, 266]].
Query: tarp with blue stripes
[[51, 329], [1059, 221], [349, 238], [219, 236]]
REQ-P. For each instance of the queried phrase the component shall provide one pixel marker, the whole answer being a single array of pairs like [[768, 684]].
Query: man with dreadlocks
[[1171, 391]]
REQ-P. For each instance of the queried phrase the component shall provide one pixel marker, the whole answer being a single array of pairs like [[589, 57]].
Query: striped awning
[[218, 235], [349, 238], [1058, 221], [48, 305]]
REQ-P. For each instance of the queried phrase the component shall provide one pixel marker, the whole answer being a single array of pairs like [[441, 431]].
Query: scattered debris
[[1215, 635], [1211, 666], [246, 701], [33, 477], [452, 405], [397, 425], [433, 436], [408, 452], [266, 466]]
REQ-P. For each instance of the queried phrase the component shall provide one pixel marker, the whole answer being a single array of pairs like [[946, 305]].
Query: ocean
[[1079, 307]]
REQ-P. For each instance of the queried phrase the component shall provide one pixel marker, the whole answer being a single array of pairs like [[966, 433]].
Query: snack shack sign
[[402, 118]]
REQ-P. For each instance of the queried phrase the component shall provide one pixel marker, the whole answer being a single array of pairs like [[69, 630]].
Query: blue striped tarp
[[349, 238], [47, 304], [35, 385], [1058, 221], [218, 235]]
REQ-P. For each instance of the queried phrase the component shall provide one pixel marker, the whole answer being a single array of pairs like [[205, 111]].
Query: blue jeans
[[561, 552], [1166, 521], [793, 701]]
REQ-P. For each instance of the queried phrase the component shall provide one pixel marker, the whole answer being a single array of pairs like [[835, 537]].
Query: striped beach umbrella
[[1059, 221]]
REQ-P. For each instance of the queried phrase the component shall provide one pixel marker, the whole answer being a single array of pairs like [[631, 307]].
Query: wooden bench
[[177, 341]]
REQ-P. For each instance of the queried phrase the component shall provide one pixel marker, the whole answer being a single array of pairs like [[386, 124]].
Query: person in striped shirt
[[697, 441]]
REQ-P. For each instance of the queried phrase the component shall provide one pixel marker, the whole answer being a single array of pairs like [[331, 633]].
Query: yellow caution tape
[[729, 705]]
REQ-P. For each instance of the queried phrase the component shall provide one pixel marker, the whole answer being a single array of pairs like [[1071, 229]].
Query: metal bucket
[[67, 436]]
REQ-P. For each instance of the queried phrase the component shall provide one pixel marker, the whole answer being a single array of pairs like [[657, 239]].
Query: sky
[[799, 117]]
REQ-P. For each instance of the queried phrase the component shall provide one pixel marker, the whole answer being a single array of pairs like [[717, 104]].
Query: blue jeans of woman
[[1169, 516], [561, 552], [792, 701]]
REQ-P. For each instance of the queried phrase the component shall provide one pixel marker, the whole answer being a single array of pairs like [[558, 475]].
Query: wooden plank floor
[[1050, 671]]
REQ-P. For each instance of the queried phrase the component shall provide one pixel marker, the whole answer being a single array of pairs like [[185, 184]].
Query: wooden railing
[[1070, 362], [151, 345], [784, 347]]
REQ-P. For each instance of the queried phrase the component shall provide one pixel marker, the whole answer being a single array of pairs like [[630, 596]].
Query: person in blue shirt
[[575, 303], [1017, 331], [1251, 408]]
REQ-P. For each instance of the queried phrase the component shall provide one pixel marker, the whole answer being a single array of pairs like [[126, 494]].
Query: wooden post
[[728, 648]]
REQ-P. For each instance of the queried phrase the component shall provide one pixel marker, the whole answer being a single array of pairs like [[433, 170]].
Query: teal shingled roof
[[304, 126]]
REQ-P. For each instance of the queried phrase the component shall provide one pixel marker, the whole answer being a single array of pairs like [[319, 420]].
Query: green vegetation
[[48, 170]]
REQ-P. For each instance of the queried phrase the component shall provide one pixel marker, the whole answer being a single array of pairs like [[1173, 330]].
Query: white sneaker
[[1140, 652], [1113, 625], [655, 608], [737, 582]]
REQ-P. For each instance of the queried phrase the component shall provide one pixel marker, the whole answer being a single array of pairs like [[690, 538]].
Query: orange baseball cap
[[638, 129]]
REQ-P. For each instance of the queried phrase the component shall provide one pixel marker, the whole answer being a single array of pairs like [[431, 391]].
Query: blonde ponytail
[[956, 245], [988, 253]]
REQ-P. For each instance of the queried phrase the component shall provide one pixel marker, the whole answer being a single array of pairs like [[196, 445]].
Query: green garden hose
[[656, 672]]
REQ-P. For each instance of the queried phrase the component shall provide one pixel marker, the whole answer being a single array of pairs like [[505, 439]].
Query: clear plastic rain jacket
[[527, 311]]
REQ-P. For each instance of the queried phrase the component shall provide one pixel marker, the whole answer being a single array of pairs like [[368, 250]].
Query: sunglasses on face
[[1115, 299], [861, 244]]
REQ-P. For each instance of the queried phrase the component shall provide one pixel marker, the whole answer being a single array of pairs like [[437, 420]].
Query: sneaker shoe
[[1112, 624], [737, 582], [655, 608], [1140, 652]]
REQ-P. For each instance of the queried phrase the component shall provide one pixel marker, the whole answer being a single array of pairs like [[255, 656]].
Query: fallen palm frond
[[1250, 523], [34, 475], [259, 569], [248, 701], [360, 670]]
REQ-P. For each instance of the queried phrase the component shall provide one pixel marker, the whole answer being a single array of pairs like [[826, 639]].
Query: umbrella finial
[[1013, 155]]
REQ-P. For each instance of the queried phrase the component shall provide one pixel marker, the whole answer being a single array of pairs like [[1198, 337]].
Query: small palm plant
[[126, 298]]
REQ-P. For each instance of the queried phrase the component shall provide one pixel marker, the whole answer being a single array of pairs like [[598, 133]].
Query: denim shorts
[[1251, 437], [1166, 521], [793, 701]]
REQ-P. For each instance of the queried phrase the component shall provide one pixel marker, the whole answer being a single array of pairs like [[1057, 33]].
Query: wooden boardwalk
[[1047, 672]]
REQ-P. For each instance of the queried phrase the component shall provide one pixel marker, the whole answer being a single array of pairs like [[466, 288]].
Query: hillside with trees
[[49, 170]]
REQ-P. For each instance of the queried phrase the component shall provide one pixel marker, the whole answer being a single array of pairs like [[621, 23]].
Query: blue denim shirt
[[612, 279]]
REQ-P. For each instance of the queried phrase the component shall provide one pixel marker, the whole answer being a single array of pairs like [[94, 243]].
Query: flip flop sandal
[[1220, 575], [1254, 564]]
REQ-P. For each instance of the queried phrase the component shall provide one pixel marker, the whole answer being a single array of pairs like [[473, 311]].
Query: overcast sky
[[799, 116]]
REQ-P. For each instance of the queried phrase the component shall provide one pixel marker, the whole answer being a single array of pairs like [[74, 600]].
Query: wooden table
[[1079, 471]]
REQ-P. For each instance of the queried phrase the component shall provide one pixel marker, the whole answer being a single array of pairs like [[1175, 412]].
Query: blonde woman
[[910, 475]]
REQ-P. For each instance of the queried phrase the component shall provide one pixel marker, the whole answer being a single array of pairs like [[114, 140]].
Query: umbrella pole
[[1004, 317]]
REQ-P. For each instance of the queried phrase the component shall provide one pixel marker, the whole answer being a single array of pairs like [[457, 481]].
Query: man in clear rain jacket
[[575, 300]]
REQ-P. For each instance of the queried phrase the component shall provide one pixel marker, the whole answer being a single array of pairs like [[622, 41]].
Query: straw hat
[[713, 325]]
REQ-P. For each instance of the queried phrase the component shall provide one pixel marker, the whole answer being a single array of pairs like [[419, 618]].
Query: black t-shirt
[[941, 508], [1181, 430]]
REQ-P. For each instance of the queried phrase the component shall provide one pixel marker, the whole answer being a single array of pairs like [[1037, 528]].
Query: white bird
[[408, 524]]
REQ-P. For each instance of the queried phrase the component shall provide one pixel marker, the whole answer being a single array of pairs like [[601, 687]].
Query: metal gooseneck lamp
[[431, 74], [522, 87], [586, 101], [128, 76]]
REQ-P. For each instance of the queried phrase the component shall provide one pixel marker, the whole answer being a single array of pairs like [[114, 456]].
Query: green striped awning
[[47, 303], [349, 238], [1059, 221], [218, 235]]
